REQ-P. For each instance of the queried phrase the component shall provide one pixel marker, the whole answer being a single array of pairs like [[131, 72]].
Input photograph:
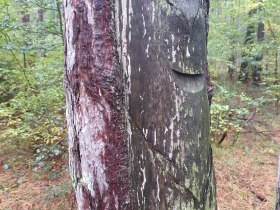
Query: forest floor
[[21, 188], [245, 172]]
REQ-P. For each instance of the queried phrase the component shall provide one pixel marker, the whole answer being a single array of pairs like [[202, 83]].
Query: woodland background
[[243, 57]]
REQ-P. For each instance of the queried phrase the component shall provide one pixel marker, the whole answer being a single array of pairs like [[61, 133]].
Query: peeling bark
[[137, 105], [95, 108]]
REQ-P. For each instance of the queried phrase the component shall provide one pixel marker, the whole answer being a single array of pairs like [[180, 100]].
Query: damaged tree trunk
[[137, 105]]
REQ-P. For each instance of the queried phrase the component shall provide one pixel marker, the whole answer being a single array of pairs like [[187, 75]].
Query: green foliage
[[229, 22], [232, 108], [31, 69], [233, 41], [227, 111]]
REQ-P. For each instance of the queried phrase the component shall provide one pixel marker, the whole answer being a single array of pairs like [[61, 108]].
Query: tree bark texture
[[137, 105]]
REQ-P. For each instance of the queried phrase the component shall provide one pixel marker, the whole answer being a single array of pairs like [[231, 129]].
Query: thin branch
[[18, 62], [249, 119]]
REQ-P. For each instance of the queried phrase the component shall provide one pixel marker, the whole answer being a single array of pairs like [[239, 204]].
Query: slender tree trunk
[[246, 57], [276, 66], [257, 66], [277, 203], [40, 15], [24, 20], [251, 59], [137, 105], [58, 7], [231, 65]]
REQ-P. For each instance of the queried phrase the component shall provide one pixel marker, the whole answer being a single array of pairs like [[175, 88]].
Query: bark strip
[[95, 107]]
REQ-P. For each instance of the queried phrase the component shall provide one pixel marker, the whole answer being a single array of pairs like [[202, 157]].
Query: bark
[[210, 89], [97, 135], [137, 104]]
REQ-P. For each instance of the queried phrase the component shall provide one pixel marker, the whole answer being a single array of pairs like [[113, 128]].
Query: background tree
[[137, 106], [237, 45], [241, 36], [252, 55]]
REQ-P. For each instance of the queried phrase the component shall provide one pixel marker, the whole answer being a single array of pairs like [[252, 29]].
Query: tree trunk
[[231, 66], [25, 17], [137, 105], [250, 58], [257, 66], [40, 15], [60, 18], [277, 203], [246, 56]]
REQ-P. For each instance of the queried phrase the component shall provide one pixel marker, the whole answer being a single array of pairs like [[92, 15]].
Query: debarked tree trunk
[[137, 105]]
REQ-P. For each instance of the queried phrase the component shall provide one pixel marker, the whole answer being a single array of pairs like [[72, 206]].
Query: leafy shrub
[[228, 111]]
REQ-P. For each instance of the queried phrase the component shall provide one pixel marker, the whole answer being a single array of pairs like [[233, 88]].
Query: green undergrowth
[[236, 105]]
